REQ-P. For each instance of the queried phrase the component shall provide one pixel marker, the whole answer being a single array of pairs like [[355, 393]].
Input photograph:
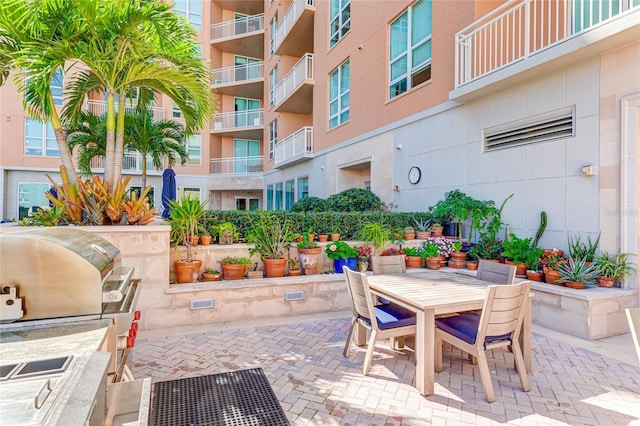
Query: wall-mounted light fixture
[[588, 170], [322, 168], [396, 188], [399, 147]]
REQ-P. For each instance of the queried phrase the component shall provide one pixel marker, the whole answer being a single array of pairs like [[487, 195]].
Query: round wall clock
[[414, 174]]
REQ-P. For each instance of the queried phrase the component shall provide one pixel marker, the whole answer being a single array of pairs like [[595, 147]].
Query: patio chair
[[388, 265], [383, 321], [496, 273], [497, 326], [633, 316]]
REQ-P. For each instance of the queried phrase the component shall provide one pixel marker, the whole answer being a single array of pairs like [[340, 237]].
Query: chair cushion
[[465, 327], [392, 316]]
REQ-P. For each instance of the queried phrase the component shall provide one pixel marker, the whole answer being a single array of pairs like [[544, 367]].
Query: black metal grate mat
[[240, 398]]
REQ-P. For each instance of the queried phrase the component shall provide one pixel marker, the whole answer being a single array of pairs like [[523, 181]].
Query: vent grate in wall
[[201, 304], [539, 128], [293, 295]]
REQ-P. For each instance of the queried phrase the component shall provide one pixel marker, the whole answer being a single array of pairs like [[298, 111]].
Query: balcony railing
[[100, 108], [522, 28], [239, 73], [303, 70], [289, 19], [238, 120], [237, 165], [295, 147], [237, 27], [131, 162]]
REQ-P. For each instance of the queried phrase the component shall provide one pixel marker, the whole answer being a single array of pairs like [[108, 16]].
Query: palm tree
[[87, 135]]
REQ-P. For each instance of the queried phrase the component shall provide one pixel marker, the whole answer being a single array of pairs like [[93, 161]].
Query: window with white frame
[[247, 203], [176, 112], [273, 82], [273, 138], [410, 48], [340, 19], [273, 27], [31, 197], [246, 156], [194, 149], [269, 197], [40, 139], [278, 196], [339, 95], [289, 194], [184, 192], [303, 188], [191, 10]]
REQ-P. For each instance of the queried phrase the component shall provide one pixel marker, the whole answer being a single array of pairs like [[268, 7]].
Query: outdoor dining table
[[432, 293]]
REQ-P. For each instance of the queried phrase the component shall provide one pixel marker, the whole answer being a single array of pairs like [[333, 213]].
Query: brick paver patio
[[316, 385]]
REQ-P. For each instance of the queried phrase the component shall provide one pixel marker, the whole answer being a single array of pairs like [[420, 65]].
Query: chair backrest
[[359, 294], [388, 265], [503, 310], [496, 273], [633, 316]]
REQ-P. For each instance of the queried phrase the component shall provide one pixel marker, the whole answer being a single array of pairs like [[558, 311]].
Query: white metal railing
[[289, 19], [100, 108], [302, 70], [239, 73], [238, 119], [131, 162], [236, 165], [521, 28], [237, 27], [294, 146]]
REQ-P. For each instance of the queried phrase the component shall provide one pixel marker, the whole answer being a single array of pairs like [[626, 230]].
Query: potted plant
[[612, 268], [342, 254], [413, 256], [309, 252], [576, 273], [335, 233], [534, 267], [293, 266], [364, 254], [269, 235], [551, 261], [422, 229], [431, 253], [211, 274], [445, 247], [186, 214], [376, 234], [583, 250], [472, 259], [234, 268], [409, 233], [488, 248], [516, 249], [226, 232]]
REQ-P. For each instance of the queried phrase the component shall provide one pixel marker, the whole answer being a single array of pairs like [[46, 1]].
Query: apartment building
[[409, 98]]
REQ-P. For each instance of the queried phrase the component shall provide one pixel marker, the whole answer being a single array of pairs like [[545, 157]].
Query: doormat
[[242, 397]]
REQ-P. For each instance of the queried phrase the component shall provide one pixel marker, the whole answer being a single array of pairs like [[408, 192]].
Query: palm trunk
[[65, 153], [144, 172], [109, 161], [119, 152]]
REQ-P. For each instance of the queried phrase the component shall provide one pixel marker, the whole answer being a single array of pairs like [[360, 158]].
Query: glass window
[[278, 194], [339, 95], [273, 28], [340, 19], [273, 82], [289, 194], [176, 112], [40, 139], [303, 188], [183, 191], [56, 86], [273, 138], [410, 48], [31, 197], [191, 10], [269, 197], [247, 112], [194, 149], [246, 155], [247, 203]]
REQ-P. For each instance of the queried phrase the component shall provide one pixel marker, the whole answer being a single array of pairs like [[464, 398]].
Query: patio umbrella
[[168, 190]]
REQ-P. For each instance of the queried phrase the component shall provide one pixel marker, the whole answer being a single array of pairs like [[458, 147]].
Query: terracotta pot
[[206, 276], [309, 259], [551, 276], [205, 240], [194, 240], [294, 272], [187, 272], [422, 235], [460, 257], [535, 276], [576, 285], [275, 267], [436, 231], [335, 237], [433, 263], [411, 236], [233, 272], [443, 260], [226, 237], [323, 238], [521, 268], [414, 262], [311, 237], [606, 282], [472, 266]]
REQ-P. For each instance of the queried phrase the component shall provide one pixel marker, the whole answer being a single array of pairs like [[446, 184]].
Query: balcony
[[131, 163], [243, 36], [244, 81], [294, 148], [240, 124], [245, 7], [294, 93], [100, 108], [235, 173], [527, 37], [294, 35]]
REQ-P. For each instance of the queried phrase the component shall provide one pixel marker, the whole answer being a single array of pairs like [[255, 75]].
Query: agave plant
[[577, 270]]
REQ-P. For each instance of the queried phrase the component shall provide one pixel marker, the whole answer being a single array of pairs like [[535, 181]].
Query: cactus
[[541, 228]]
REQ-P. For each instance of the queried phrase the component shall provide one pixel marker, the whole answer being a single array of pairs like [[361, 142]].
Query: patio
[[316, 385]]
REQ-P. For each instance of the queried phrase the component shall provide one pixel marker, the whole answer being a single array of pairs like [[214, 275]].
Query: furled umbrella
[[168, 190]]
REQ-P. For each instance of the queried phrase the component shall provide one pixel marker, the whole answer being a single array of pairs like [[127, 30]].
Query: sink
[[43, 366], [7, 370]]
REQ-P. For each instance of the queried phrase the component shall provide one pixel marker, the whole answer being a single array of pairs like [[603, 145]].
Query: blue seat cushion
[[383, 300], [465, 327], [392, 316]]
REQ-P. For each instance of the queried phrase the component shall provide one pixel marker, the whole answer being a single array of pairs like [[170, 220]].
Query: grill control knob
[[137, 315]]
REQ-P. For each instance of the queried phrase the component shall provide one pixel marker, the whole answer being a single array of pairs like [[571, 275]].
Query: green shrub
[[310, 204], [355, 199]]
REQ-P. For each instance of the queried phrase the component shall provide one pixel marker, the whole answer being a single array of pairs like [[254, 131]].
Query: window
[[138, 191], [176, 112], [247, 112], [339, 95], [194, 149], [410, 48], [246, 68], [273, 27], [289, 194], [247, 203], [183, 191], [40, 139], [31, 197], [340, 19], [269, 197], [191, 10], [273, 138], [278, 194], [273, 82], [56, 86], [246, 155], [303, 188]]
